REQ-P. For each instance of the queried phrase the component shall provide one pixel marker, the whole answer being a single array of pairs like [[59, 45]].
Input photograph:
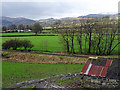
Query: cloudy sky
[[40, 9]]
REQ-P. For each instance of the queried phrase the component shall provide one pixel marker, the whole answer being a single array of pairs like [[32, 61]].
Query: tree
[[95, 36], [67, 33], [26, 44], [37, 28], [55, 26], [21, 27], [4, 28], [27, 27], [79, 38], [12, 27]]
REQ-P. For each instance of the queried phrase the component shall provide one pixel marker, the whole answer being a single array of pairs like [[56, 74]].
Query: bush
[[26, 44], [6, 45], [16, 43]]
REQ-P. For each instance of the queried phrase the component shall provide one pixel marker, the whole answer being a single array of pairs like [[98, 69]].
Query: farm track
[[46, 53]]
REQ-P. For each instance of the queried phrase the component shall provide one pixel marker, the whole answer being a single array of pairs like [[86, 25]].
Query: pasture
[[53, 43], [44, 32], [18, 33]]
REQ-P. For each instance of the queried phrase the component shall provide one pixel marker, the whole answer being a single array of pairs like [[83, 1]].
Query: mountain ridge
[[21, 20], [16, 21]]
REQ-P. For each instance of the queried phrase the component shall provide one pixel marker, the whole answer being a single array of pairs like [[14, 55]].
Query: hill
[[9, 21], [98, 15]]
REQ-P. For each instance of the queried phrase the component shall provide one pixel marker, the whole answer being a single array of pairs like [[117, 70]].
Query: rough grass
[[35, 58], [16, 72], [66, 81]]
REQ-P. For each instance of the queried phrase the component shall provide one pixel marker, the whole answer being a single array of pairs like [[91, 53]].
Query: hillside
[[98, 15], [9, 21], [48, 22]]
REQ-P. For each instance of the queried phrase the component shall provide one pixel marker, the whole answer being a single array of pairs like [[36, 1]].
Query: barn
[[102, 67]]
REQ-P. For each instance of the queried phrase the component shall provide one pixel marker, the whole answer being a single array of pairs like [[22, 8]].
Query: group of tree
[[36, 27], [93, 36], [16, 43], [14, 27]]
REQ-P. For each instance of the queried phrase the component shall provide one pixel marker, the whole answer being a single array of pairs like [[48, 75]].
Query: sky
[[43, 9]]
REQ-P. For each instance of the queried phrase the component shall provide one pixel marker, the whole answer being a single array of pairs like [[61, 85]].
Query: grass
[[51, 43], [32, 86], [65, 81], [45, 32], [17, 33], [16, 72], [43, 43]]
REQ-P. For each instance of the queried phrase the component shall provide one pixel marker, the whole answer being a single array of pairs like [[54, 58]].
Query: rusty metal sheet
[[85, 67], [104, 71], [92, 70], [96, 70], [108, 63], [99, 70]]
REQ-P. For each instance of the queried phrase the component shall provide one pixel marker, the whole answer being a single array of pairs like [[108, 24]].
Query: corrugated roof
[[99, 70], [96, 70], [104, 71], [85, 67], [108, 63]]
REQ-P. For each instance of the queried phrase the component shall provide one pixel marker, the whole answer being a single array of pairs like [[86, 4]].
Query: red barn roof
[[97, 67]]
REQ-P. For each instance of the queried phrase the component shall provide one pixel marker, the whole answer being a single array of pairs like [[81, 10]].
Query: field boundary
[[24, 35]]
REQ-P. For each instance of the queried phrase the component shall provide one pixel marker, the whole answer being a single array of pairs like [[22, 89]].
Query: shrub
[[26, 44], [16, 43], [6, 45]]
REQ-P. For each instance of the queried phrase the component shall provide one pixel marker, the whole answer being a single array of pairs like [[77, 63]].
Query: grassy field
[[45, 43], [50, 43], [44, 32], [17, 33], [16, 72]]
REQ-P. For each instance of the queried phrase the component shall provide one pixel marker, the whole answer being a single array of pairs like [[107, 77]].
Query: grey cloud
[[37, 10], [34, 10]]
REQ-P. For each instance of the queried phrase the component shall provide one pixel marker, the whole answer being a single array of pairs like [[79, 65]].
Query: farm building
[[102, 67]]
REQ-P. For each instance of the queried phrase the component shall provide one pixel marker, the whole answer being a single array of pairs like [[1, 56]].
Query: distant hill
[[98, 15], [48, 22], [9, 21]]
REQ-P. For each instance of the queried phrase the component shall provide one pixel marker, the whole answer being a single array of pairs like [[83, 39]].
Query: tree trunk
[[90, 36]]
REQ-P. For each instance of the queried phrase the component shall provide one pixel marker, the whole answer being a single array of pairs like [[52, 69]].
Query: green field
[[51, 43], [44, 32], [17, 72], [17, 33], [45, 43]]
